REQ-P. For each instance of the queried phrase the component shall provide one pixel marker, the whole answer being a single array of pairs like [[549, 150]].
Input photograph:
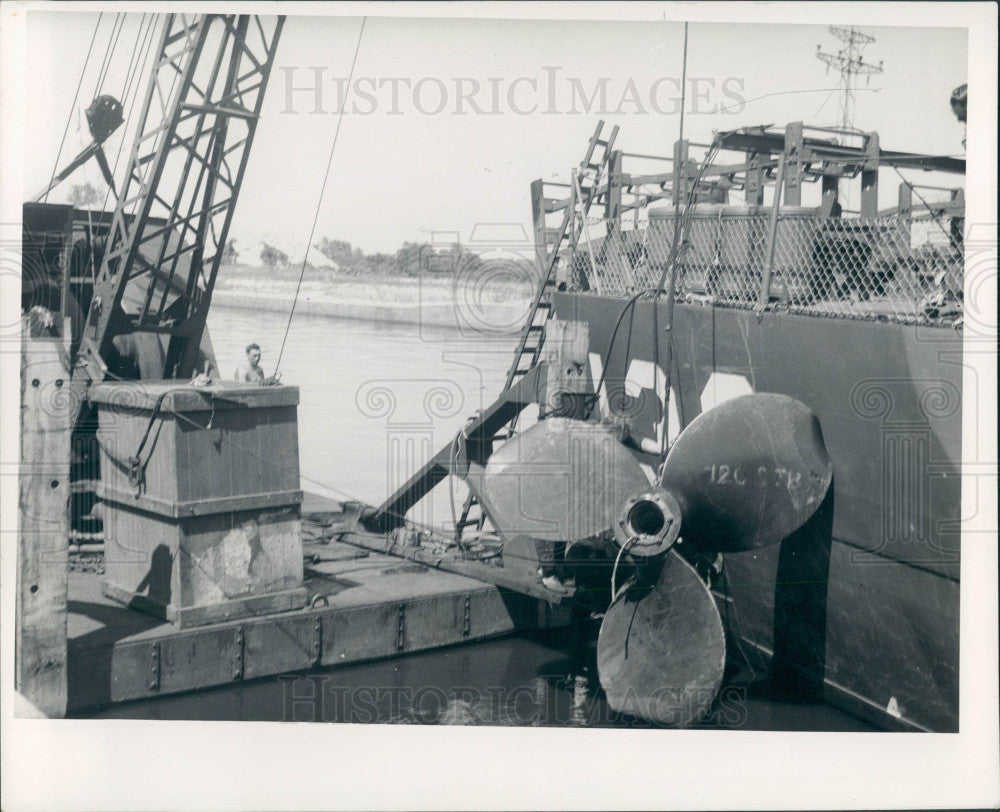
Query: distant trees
[[340, 252], [412, 259], [83, 195], [272, 257], [377, 264], [415, 258], [230, 256], [464, 261]]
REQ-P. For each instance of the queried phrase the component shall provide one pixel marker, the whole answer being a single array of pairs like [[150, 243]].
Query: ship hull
[[871, 617]]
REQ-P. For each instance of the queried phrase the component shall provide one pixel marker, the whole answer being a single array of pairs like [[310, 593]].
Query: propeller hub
[[648, 523]]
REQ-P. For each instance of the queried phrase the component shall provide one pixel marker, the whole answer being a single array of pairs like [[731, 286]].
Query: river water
[[377, 399]]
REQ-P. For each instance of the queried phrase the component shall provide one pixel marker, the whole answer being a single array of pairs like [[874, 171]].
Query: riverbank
[[487, 306], [495, 319]]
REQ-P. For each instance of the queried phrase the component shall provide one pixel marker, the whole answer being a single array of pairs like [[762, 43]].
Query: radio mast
[[849, 63]]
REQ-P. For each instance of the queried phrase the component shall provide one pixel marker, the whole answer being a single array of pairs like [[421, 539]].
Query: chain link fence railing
[[881, 268]]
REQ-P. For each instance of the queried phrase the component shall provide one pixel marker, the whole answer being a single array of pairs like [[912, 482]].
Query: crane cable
[[132, 70], [69, 118], [117, 27], [132, 62], [109, 54], [682, 175], [129, 98], [142, 46], [319, 203], [128, 102]]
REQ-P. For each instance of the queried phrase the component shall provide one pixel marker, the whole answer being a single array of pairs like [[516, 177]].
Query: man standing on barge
[[251, 371]]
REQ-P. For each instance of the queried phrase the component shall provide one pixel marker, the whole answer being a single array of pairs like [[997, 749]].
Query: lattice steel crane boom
[[175, 206]]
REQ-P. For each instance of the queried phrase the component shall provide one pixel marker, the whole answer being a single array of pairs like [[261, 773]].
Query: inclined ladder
[[587, 178]]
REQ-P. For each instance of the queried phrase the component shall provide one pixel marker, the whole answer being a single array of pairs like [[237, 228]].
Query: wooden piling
[[43, 500]]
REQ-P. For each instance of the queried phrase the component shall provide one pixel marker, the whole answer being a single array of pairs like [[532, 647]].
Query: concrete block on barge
[[200, 499]]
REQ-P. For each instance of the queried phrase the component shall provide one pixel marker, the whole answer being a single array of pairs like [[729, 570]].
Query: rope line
[[671, 259], [827, 99], [322, 191], [435, 532]]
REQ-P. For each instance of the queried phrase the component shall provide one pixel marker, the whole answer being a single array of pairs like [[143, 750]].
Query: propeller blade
[[560, 480], [748, 473], [661, 651]]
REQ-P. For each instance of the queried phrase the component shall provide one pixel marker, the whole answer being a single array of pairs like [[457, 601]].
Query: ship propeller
[[741, 476], [748, 473], [661, 651]]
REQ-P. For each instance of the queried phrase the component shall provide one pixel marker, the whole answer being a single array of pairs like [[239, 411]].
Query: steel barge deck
[[363, 605]]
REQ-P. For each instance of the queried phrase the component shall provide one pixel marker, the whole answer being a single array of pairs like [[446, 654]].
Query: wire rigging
[[109, 54], [673, 276], [827, 99], [671, 260], [128, 101], [930, 211], [132, 65], [319, 202], [72, 109]]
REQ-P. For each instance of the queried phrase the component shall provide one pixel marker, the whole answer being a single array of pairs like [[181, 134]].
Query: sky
[[484, 106]]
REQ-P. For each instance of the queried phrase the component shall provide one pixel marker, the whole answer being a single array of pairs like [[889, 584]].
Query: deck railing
[[900, 269]]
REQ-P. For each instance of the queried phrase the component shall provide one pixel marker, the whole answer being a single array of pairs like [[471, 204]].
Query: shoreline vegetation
[[492, 297]]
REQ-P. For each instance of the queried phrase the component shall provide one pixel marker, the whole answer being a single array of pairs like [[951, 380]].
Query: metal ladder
[[587, 178]]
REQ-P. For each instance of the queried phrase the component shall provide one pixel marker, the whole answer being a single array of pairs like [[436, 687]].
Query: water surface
[[377, 399]]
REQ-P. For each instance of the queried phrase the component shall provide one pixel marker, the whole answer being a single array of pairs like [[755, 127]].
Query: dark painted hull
[[875, 618]]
